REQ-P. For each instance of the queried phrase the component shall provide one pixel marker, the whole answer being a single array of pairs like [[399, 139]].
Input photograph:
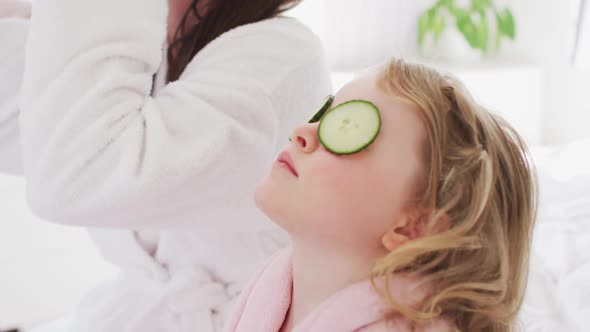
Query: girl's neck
[[320, 271]]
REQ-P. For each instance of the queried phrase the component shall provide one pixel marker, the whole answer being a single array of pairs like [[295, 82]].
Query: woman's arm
[[14, 27], [101, 151]]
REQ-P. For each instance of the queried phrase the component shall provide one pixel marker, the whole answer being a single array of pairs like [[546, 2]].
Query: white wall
[[544, 30], [361, 33], [567, 110], [544, 38]]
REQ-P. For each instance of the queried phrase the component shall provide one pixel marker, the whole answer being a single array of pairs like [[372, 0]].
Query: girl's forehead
[[367, 88], [363, 88]]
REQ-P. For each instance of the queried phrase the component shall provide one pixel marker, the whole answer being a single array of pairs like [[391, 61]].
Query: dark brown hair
[[220, 17]]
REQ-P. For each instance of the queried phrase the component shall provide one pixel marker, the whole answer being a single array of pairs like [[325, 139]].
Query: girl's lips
[[285, 159]]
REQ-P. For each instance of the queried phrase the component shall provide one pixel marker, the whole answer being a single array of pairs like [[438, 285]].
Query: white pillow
[[558, 294], [564, 180]]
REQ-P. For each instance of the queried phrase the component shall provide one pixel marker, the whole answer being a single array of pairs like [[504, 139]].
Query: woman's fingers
[[15, 9]]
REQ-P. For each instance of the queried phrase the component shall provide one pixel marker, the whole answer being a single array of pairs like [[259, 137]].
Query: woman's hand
[[15, 9]]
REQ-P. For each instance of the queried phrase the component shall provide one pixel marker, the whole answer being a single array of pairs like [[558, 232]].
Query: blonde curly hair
[[478, 176]]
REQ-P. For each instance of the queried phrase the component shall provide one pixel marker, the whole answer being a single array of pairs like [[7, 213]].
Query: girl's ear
[[405, 229], [410, 227], [392, 240]]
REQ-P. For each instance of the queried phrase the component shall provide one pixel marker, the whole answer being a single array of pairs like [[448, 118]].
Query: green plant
[[472, 23]]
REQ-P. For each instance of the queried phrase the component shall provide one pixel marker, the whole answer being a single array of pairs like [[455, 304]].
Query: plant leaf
[[478, 5], [439, 27], [423, 25], [459, 13], [466, 26], [446, 3], [506, 24], [483, 29], [510, 25]]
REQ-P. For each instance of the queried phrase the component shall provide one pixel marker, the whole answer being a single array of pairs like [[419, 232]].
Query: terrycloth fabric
[[176, 168], [263, 305]]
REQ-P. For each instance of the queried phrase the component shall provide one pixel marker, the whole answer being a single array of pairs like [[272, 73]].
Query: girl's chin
[[268, 191], [266, 199], [272, 205]]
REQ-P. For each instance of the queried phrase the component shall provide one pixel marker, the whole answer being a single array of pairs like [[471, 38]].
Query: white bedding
[[558, 295]]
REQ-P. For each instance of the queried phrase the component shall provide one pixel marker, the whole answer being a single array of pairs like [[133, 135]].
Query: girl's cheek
[[329, 170]]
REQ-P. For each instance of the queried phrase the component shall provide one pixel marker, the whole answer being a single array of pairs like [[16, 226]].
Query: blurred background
[[528, 60]]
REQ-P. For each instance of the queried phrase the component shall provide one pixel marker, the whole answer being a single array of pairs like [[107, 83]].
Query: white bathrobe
[[164, 181]]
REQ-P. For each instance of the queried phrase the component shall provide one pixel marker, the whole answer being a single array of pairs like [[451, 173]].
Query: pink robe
[[263, 305]]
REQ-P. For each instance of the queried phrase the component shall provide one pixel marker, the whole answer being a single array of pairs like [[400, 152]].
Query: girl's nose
[[305, 137]]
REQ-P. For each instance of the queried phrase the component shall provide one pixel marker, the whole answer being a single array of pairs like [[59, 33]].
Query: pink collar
[[264, 304]]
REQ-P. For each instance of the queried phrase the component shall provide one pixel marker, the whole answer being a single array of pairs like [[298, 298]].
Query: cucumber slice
[[325, 106], [350, 127]]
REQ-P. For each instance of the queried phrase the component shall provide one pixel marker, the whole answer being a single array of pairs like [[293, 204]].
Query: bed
[[558, 294]]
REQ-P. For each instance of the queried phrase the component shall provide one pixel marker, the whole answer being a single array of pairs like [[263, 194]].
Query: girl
[[160, 170], [410, 208]]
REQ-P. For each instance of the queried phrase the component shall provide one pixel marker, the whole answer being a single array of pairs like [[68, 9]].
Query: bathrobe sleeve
[[101, 151]]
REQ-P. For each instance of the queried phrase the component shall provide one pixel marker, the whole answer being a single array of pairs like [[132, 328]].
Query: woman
[[162, 167]]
